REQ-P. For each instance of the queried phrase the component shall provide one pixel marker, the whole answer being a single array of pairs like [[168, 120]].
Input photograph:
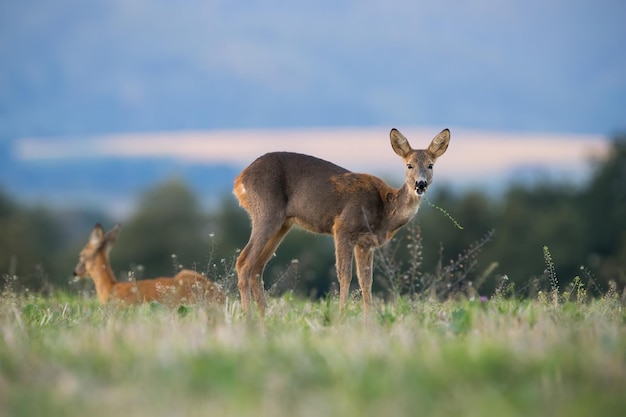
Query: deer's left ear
[[440, 143]]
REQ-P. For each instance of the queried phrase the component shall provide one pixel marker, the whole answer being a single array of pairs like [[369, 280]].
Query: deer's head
[[419, 162], [99, 244]]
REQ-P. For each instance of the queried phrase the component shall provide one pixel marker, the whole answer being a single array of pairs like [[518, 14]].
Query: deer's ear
[[97, 234], [112, 234], [399, 143], [440, 143]]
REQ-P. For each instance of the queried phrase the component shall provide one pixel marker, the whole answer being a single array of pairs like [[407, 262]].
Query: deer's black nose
[[420, 187]]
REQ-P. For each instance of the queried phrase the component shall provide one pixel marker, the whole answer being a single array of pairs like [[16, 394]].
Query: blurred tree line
[[582, 227]]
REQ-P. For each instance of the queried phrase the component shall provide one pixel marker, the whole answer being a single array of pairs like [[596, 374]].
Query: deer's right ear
[[97, 234], [399, 143], [112, 234]]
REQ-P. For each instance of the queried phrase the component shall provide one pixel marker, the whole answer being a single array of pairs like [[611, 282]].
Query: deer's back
[[186, 286], [309, 191]]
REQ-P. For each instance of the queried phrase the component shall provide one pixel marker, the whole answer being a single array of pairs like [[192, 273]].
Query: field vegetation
[[561, 354]]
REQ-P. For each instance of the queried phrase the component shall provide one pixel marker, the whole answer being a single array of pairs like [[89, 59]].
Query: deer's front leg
[[364, 269]]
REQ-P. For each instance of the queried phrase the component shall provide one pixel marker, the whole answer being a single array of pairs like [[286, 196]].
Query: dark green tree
[[31, 245], [603, 206], [531, 218], [167, 230]]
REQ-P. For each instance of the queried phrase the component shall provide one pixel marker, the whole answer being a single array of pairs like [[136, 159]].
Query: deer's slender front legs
[[364, 268]]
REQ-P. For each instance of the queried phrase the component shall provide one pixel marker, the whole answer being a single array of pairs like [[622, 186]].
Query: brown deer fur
[[360, 211], [187, 286]]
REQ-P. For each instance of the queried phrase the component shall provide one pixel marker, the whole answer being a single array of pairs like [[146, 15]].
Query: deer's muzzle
[[420, 187]]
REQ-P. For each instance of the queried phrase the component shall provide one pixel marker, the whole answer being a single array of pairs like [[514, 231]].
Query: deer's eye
[[430, 166], [409, 166]]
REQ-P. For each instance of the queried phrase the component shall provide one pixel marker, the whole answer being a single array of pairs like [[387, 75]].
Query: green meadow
[[555, 355]]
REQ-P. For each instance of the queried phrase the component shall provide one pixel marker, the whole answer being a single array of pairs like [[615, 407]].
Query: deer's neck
[[103, 278], [402, 205]]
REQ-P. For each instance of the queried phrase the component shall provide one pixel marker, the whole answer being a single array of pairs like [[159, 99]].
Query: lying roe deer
[[187, 285], [360, 211]]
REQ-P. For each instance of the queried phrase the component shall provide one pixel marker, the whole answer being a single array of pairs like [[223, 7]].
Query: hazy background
[[75, 73]]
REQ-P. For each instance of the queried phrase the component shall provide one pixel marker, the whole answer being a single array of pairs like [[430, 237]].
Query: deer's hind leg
[[343, 263], [364, 257], [265, 237]]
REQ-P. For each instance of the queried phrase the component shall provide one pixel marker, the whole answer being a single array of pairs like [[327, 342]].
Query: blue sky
[[73, 68]]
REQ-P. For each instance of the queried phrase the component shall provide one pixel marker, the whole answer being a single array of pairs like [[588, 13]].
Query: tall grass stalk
[[444, 212], [457, 276]]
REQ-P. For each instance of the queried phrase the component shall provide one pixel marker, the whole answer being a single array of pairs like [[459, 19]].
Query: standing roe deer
[[187, 285], [360, 211]]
